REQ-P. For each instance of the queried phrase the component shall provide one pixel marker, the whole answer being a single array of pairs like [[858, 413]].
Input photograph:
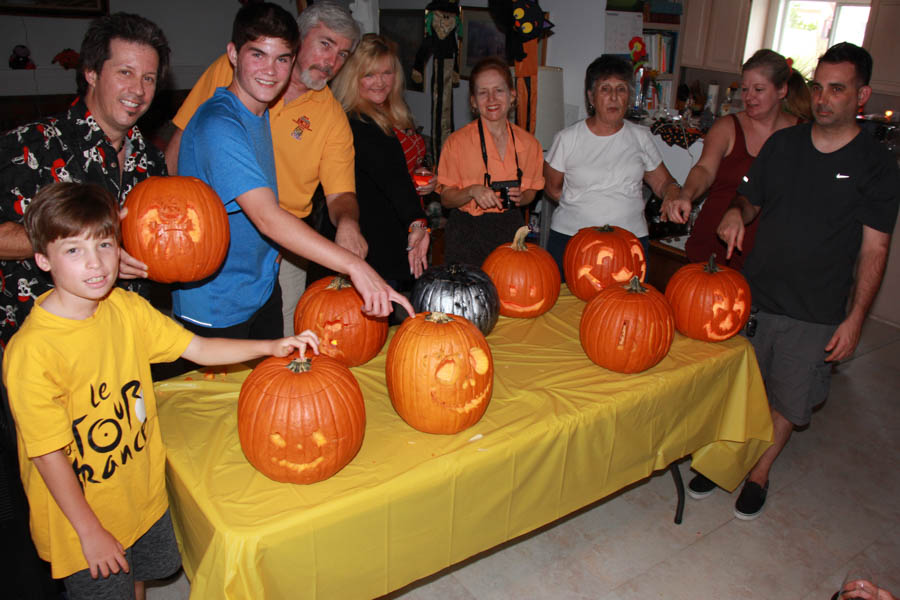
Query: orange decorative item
[[332, 308], [598, 257], [711, 302], [300, 420], [525, 275], [177, 226], [440, 372], [627, 328]]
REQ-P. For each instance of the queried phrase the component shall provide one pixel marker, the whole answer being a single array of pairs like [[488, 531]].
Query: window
[[806, 28]]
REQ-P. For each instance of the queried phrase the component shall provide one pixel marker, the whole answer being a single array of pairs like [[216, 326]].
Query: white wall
[[197, 32]]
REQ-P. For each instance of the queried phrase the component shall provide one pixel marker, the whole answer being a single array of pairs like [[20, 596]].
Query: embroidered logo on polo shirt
[[840, 176], [303, 124]]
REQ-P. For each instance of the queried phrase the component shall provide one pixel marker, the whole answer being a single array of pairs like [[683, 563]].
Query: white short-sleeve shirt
[[603, 177]]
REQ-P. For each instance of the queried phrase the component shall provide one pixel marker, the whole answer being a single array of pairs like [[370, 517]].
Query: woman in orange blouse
[[489, 151]]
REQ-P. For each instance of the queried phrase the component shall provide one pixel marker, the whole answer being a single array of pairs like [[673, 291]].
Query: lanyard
[[487, 176]]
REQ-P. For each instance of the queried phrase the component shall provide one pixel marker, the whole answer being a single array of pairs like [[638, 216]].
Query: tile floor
[[833, 507]]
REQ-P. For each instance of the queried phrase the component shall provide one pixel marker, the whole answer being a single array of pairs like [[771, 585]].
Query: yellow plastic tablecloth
[[560, 432]]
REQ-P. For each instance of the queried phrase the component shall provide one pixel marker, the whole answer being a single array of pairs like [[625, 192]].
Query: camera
[[503, 187]]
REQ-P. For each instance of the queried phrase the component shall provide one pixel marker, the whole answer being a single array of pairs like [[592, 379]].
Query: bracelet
[[419, 224]]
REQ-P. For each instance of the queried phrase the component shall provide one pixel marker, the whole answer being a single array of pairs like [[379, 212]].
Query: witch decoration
[[442, 34]]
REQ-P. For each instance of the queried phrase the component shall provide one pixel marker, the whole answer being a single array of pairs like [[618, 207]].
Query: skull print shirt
[[67, 147]]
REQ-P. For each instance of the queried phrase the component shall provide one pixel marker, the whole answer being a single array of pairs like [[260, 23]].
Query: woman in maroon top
[[729, 149]]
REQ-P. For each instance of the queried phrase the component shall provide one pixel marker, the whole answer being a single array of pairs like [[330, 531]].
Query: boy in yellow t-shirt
[[78, 374]]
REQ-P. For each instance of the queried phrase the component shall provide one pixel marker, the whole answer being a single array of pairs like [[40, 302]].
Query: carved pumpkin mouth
[[521, 308]]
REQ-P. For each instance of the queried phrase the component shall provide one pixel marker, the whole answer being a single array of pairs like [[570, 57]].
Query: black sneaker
[[700, 487], [750, 503]]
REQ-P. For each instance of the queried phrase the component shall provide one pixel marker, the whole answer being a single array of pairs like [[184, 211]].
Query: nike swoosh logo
[[839, 176]]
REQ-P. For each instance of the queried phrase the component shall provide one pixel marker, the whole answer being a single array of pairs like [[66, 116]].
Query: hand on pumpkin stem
[[301, 341], [418, 241]]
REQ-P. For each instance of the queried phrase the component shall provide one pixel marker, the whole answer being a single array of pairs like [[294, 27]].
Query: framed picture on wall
[[55, 8], [481, 38], [407, 28]]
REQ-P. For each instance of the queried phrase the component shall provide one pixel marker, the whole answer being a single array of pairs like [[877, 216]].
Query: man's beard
[[312, 82]]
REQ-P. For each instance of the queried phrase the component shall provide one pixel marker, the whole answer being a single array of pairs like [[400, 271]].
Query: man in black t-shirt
[[826, 194]]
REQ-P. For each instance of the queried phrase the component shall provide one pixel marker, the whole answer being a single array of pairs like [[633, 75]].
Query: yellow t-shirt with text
[[84, 386]]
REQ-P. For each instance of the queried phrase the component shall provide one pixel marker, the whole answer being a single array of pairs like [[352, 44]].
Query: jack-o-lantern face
[[440, 373], [598, 257], [711, 302], [177, 226], [332, 308], [300, 421], [525, 275]]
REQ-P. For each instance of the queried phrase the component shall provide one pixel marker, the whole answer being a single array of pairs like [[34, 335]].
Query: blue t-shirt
[[230, 148]]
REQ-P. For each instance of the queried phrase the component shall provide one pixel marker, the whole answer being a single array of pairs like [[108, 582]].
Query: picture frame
[[406, 27], [480, 38], [55, 8]]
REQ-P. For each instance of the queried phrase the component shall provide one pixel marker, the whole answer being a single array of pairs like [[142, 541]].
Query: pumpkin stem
[[634, 286], [299, 365], [711, 266], [339, 282], [438, 317], [604, 228], [519, 239]]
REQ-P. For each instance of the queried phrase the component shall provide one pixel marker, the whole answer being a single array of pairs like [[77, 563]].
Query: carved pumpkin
[[711, 302], [332, 308], [300, 420], [440, 373], [457, 289], [599, 257], [177, 226], [627, 328], [525, 275]]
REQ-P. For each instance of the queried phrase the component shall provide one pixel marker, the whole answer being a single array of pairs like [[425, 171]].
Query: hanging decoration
[[443, 31]]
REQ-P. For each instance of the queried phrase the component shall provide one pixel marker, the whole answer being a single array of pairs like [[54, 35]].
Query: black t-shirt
[[813, 208]]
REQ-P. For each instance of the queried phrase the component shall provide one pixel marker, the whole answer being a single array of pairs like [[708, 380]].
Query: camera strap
[[484, 157]]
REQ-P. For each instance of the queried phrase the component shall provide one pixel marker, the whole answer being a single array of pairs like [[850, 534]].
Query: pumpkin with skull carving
[[598, 257], [440, 373], [177, 226], [711, 302], [300, 420]]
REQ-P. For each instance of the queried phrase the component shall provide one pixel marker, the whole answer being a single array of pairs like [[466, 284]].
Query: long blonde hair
[[394, 113]]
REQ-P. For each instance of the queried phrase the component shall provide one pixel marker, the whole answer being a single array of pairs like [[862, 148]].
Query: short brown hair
[[63, 210], [128, 28], [491, 63]]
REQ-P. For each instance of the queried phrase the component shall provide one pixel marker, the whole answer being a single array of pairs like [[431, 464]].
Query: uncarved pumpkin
[[332, 308], [627, 328], [440, 373], [711, 302], [458, 289], [525, 275], [177, 226], [599, 257], [299, 420]]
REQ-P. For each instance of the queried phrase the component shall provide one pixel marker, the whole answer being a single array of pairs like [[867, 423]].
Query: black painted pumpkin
[[458, 289]]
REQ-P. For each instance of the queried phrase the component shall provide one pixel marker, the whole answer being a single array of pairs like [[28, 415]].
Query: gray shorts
[[153, 556], [791, 356]]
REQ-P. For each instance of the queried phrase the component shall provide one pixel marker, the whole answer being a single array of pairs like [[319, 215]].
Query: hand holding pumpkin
[[130, 267]]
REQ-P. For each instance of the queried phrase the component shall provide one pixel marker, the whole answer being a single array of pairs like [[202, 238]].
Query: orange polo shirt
[[462, 165], [311, 138]]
